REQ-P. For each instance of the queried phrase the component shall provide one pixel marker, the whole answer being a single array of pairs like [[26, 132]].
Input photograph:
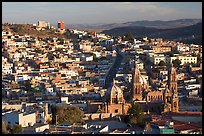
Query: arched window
[[175, 104]]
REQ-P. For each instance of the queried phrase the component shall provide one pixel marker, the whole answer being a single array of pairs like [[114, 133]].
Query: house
[[24, 119], [175, 127]]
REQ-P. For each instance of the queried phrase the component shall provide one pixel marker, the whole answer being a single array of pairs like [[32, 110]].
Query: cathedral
[[166, 100], [151, 101]]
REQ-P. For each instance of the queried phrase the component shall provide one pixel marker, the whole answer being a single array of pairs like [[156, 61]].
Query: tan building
[[159, 49], [183, 59], [42, 24]]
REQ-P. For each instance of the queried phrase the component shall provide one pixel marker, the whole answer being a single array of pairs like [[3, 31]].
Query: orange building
[[61, 25]]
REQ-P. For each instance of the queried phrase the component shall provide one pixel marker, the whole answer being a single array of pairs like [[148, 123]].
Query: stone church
[[114, 101], [156, 101], [150, 101]]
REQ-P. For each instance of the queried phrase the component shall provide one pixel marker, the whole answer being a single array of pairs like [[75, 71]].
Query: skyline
[[98, 12]]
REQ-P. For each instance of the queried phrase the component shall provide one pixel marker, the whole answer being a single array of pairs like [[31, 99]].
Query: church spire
[[137, 90]]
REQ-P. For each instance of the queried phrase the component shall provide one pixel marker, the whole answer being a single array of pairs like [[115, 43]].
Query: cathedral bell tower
[[172, 83], [137, 86]]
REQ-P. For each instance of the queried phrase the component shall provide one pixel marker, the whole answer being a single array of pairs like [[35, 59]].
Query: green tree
[[135, 114], [64, 113], [8, 127], [17, 128], [176, 63], [199, 58], [162, 63], [4, 128], [129, 37]]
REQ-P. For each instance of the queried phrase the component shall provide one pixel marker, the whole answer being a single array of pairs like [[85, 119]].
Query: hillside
[[189, 34], [28, 29]]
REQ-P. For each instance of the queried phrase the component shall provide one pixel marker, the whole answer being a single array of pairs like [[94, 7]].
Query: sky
[[97, 12]]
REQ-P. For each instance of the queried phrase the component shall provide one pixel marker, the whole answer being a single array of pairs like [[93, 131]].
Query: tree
[[4, 128], [199, 58], [135, 114], [176, 63], [129, 37], [64, 113], [148, 127], [8, 127], [162, 63], [17, 128]]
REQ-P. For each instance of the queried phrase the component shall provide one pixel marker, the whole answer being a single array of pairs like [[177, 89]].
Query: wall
[[97, 116], [42, 128], [16, 107], [24, 120]]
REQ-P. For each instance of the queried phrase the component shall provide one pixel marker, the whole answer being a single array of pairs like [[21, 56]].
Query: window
[[174, 104], [116, 110], [114, 100]]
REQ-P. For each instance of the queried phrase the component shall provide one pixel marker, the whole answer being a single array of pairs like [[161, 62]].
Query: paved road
[[113, 70]]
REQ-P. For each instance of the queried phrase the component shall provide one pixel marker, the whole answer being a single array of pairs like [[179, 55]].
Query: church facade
[[150, 101], [114, 101], [166, 101]]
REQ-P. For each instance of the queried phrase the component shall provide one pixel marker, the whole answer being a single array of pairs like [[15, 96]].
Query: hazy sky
[[97, 12]]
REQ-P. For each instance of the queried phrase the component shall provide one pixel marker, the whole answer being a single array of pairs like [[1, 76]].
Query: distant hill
[[28, 29], [145, 23], [165, 24], [188, 34]]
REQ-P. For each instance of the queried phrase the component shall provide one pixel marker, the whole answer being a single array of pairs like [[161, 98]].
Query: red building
[[61, 25]]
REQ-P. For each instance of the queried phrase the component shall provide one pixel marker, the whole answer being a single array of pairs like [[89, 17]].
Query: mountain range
[[184, 30], [189, 34], [145, 23]]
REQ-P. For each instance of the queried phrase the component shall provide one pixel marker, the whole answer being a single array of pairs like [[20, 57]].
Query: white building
[[183, 59], [182, 48], [64, 99], [23, 119]]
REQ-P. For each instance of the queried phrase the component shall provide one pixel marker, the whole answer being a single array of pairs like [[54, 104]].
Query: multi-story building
[[159, 49], [42, 24], [20, 118], [183, 59], [61, 25], [182, 48]]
